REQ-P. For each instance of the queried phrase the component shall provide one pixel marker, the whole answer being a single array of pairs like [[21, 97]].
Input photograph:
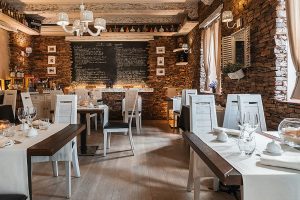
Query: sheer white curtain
[[212, 53], [293, 16]]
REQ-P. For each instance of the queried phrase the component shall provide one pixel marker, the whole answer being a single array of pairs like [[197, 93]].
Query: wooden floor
[[159, 170]]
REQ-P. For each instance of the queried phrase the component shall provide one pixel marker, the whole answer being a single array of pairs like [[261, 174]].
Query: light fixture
[[27, 52], [185, 48], [227, 17], [81, 26]]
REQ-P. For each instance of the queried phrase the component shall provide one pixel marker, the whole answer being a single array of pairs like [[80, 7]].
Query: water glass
[[247, 144], [9, 131], [44, 124]]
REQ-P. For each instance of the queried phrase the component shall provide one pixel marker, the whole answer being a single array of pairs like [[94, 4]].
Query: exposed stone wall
[[154, 104], [18, 43], [63, 57], [268, 72]]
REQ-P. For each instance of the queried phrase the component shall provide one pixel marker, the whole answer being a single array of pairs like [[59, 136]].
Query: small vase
[[214, 90]]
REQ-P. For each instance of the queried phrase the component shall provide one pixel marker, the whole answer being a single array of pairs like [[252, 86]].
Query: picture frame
[[160, 72], [51, 70], [160, 61], [51, 60], [160, 50], [52, 49]]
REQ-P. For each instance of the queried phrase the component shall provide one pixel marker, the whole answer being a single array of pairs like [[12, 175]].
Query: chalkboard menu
[[109, 62]]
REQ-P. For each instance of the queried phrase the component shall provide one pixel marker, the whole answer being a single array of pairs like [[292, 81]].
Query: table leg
[[83, 146], [85, 150], [29, 170]]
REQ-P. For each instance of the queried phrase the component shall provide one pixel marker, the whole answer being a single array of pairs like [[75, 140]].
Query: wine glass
[[22, 115], [31, 114]]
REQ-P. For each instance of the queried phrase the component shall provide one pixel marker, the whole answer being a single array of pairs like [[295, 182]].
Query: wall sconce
[[27, 52], [185, 48], [228, 17]]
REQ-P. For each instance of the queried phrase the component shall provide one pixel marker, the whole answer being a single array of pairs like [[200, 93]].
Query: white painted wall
[[4, 54]]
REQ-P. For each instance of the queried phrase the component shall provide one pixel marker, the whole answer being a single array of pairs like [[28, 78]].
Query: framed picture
[[160, 72], [160, 61], [51, 70], [51, 60], [160, 50], [51, 49]]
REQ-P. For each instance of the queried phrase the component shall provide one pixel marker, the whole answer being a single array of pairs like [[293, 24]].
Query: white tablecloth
[[260, 182], [105, 109], [13, 161]]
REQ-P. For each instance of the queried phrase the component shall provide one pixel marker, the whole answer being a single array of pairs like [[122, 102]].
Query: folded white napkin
[[4, 141], [227, 130], [291, 162]]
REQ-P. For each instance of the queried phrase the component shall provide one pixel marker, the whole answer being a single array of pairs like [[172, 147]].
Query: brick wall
[[268, 72], [154, 105]]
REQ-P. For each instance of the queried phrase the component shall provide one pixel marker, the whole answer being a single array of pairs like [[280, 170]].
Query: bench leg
[[191, 171], [197, 183]]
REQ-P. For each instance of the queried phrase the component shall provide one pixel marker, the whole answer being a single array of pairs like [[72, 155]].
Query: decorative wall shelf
[[181, 63], [17, 25]]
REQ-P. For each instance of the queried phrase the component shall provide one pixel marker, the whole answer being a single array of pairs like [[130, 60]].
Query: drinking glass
[[31, 114], [44, 124], [247, 144], [9, 131], [22, 115]]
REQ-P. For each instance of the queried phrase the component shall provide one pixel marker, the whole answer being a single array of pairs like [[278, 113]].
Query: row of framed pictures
[[51, 60], [160, 61]]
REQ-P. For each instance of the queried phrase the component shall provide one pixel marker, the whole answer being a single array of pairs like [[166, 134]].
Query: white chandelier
[[82, 26]]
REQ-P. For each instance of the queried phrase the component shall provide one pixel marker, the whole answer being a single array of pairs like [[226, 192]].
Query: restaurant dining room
[[150, 99]]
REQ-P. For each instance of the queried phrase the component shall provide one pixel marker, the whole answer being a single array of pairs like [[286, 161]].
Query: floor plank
[[158, 170]]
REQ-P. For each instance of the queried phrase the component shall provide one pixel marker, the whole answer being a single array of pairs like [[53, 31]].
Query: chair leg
[[131, 140], [140, 117], [216, 183], [68, 178], [191, 171], [75, 162], [104, 142], [108, 140], [88, 123], [174, 118], [96, 124], [55, 168], [137, 123], [197, 188]]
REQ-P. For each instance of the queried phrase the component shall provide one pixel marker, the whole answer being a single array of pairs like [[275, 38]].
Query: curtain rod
[[212, 17]]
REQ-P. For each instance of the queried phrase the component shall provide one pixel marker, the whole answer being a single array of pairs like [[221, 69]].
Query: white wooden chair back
[[186, 93], [53, 94], [66, 109], [10, 98], [139, 101], [252, 104], [131, 96], [231, 112], [26, 100], [97, 93], [203, 116], [176, 103], [82, 94]]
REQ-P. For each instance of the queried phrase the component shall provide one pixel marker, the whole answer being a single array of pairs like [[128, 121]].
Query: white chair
[[139, 107], [203, 119], [231, 112], [252, 103], [119, 127], [129, 102], [66, 112], [53, 94], [26, 100], [186, 93], [10, 98], [82, 94]]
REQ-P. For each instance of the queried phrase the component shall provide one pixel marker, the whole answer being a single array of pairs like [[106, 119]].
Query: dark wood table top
[[227, 174], [52, 144]]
